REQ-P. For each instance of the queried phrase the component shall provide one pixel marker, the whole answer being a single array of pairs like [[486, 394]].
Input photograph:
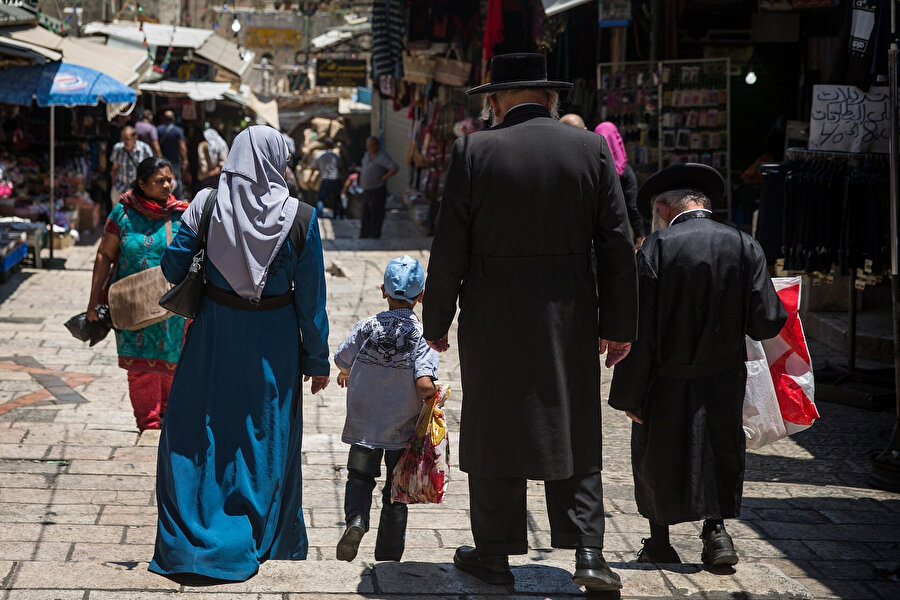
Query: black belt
[[232, 300], [698, 370], [489, 266]]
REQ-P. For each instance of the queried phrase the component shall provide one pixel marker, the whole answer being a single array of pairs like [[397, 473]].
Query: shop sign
[[846, 119], [613, 13], [343, 72], [272, 37]]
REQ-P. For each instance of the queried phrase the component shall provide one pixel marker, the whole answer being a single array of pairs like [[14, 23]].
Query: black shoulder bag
[[184, 298]]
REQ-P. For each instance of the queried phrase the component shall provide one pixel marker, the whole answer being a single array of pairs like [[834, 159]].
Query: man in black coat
[[703, 286], [524, 203]]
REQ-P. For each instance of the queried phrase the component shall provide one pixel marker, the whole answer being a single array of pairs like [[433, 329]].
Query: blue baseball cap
[[404, 278]]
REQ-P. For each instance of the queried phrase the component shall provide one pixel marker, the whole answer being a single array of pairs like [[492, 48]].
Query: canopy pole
[[52, 174]]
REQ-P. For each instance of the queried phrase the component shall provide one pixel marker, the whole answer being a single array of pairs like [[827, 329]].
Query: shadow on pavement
[[848, 541], [426, 578], [8, 287]]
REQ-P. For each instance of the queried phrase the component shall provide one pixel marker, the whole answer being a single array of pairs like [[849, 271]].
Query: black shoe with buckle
[[489, 569], [652, 553], [593, 573], [718, 547], [348, 546]]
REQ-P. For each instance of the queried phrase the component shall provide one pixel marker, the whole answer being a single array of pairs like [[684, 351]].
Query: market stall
[[50, 85]]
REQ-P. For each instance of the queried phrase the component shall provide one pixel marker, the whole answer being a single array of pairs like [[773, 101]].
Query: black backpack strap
[[206, 216], [301, 226]]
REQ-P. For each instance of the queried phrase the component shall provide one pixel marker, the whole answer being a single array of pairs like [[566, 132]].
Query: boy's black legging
[[363, 466]]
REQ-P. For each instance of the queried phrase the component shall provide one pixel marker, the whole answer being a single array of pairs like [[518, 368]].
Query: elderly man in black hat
[[523, 205], [703, 286]]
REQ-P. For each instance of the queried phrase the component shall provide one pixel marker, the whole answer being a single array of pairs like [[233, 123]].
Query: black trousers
[[363, 466], [373, 212], [498, 513]]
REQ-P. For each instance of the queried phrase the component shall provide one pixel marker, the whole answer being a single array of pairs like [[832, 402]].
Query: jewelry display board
[[670, 111]]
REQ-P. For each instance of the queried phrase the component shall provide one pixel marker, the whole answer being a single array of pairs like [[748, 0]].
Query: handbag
[[418, 69], [450, 71], [134, 300], [184, 298]]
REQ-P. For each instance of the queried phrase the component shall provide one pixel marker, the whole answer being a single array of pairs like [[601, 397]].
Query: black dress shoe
[[593, 573], [651, 553], [718, 547], [348, 546], [489, 569]]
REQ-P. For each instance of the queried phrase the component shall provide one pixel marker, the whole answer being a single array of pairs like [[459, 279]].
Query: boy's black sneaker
[[348, 546]]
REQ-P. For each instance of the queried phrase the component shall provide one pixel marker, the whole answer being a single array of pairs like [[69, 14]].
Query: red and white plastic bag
[[790, 367]]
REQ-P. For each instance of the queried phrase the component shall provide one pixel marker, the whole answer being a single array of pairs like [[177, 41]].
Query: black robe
[[703, 285], [523, 204]]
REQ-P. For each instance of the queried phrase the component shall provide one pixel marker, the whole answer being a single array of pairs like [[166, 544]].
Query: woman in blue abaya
[[228, 478]]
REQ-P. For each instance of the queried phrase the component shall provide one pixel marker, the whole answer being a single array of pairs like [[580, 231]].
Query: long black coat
[[703, 285], [523, 203]]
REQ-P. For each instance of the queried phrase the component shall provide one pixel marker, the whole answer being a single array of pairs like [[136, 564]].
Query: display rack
[[671, 111]]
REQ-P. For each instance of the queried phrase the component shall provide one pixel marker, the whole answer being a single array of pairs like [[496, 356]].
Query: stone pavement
[[77, 509]]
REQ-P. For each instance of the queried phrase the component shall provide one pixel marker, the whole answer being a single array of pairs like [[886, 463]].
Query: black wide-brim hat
[[518, 71], [682, 176]]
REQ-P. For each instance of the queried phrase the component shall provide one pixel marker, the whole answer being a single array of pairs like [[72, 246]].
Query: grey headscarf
[[253, 213]]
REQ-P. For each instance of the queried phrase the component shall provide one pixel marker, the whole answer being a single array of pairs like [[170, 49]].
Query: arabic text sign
[[846, 119]]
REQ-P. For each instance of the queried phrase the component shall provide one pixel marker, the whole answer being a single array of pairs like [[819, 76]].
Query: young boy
[[388, 370]]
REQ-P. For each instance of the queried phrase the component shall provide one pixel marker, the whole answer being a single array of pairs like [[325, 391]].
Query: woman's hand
[[342, 379], [92, 314], [319, 382]]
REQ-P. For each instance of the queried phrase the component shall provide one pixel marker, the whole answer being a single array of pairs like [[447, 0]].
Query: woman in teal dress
[[134, 239], [228, 483]]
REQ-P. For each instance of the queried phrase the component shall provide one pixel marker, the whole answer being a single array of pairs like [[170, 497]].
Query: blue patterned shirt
[[385, 353]]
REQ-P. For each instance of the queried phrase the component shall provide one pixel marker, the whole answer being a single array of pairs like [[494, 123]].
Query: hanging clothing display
[[388, 26], [818, 213]]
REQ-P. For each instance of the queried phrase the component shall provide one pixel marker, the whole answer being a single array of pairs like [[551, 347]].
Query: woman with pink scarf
[[627, 178]]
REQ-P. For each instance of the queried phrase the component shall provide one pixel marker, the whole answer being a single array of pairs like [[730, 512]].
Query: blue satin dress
[[228, 475]]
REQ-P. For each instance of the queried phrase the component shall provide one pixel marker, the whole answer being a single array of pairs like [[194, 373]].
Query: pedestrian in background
[[124, 160], [147, 133], [228, 482], [703, 287], [134, 239], [377, 168], [627, 179], [173, 145], [520, 214], [211, 155], [388, 371], [328, 164]]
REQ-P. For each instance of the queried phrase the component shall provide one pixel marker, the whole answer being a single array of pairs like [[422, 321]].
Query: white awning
[[156, 34], [124, 65], [25, 48], [197, 91], [267, 111], [554, 7]]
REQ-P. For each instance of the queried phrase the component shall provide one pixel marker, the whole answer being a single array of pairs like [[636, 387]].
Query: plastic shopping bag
[[789, 362], [762, 419], [422, 473]]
